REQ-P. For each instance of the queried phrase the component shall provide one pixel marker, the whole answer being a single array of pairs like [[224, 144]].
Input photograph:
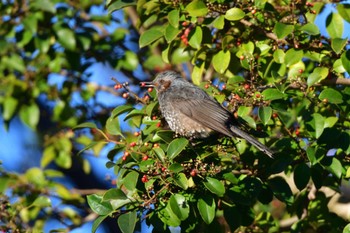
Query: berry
[[300, 71], [132, 144], [257, 95], [126, 153], [223, 87], [142, 84], [125, 95], [144, 179], [150, 89], [206, 86], [163, 169], [154, 118], [274, 115], [136, 134], [246, 86], [241, 57], [325, 100], [184, 24], [124, 158], [156, 145], [297, 132], [193, 173], [144, 158], [253, 11], [118, 86], [158, 124]]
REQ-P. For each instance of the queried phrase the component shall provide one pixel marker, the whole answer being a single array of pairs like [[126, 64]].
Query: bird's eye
[[161, 81]]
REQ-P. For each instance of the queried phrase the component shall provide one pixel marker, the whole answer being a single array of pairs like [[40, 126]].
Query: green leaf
[[149, 37], [173, 18], [318, 123], [9, 105], [273, 94], [311, 29], [176, 168], [338, 66], [113, 127], [334, 25], [344, 11], [317, 75], [346, 229], [215, 186], [159, 153], [281, 189], [49, 155], [30, 114], [335, 167], [265, 114], [282, 30], [121, 109], [219, 22], [206, 207], [119, 4], [179, 206], [42, 201], [65, 36], [168, 216], [97, 222], [278, 56], [127, 222], [130, 180], [176, 146], [333, 96], [171, 33], [197, 73], [345, 59], [234, 14], [195, 37], [330, 122], [44, 5], [293, 56], [64, 159], [90, 125], [98, 206], [221, 60], [301, 176], [196, 8], [338, 44], [181, 180]]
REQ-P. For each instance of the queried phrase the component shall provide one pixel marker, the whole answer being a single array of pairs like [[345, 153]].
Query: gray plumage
[[192, 113]]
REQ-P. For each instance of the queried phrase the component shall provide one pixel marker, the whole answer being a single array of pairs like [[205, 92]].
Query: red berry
[[144, 179], [144, 158], [241, 57], [246, 86], [158, 124], [253, 11], [238, 43], [274, 115], [146, 144], [155, 145], [142, 84], [300, 71], [257, 95], [154, 118], [126, 153], [206, 86], [124, 158], [184, 24], [193, 173], [132, 144], [320, 44], [125, 95], [297, 132], [163, 169], [223, 87], [187, 31], [150, 89]]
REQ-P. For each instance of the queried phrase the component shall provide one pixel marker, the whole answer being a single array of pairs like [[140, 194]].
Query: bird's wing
[[207, 112]]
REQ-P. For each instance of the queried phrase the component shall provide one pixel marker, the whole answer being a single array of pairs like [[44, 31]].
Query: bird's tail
[[240, 133]]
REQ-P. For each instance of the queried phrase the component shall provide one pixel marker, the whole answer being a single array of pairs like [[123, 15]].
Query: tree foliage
[[266, 61]]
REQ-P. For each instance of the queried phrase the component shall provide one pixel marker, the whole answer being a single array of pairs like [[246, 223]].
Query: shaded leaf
[[215, 186], [127, 222], [265, 114], [331, 95], [301, 176], [149, 37], [176, 146], [98, 206], [206, 206]]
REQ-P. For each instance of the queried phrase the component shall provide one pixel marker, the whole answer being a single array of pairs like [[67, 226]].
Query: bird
[[192, 113]]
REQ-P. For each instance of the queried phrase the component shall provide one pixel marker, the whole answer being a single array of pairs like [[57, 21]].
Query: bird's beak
[[148, 84]]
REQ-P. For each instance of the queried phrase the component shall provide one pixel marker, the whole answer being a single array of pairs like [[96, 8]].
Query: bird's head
[[164, 80]]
